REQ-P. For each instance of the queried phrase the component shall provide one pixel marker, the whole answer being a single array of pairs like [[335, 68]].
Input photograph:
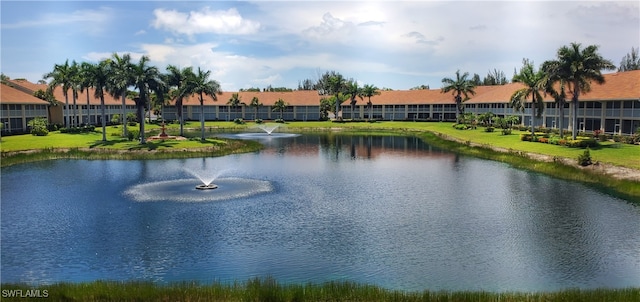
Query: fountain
[[267, 133], [268, 128], [181, 190]]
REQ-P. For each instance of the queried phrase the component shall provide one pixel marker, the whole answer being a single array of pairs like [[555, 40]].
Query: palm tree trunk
[[180, 118], [574, 130], [66, 109], [123, 119], [88, 106], [561, 122], [104, 119], [533, 116], [75, 113], [201, 117]]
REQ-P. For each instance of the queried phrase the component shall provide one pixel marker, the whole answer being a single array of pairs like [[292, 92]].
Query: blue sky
[[395, 45]]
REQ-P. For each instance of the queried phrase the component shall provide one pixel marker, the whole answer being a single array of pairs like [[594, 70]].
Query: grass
[[268, 289]]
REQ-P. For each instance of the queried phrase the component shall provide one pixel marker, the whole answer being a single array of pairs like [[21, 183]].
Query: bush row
[[579, 142], [80, 129]]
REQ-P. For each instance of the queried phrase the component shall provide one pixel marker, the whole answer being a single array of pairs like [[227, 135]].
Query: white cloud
[[91, 21], [204, 21]]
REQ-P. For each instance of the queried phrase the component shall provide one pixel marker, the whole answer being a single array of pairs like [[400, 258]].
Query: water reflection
[[389, 210]]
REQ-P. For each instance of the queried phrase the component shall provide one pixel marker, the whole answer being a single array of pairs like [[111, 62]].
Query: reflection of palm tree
[[200, 84], [234, 102], [533, 80], [61, 76], [460, 86], [578, 67]]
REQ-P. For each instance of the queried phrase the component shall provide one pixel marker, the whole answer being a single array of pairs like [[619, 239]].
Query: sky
[[390, 44]]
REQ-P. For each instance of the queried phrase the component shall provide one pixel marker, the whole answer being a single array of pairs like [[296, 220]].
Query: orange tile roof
[[82, 96], [10, 95]]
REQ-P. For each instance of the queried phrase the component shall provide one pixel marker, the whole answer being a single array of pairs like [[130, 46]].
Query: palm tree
[[368, 91], [353, 91], [86, 70], [76, 83], [336, 86], [177, 78], [255, 103], [61, 76], [234, 101], [578, 67], [460, 86], [200, 84], [551, 79], [280, 105], [534, 85], [119, 81], [146, 79], [98, 78]]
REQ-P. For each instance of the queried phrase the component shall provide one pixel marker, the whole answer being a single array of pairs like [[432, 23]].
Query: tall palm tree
[[368, 91], [200, 84], [459, 87], [234, 101], [336, 86], [146, 79], [120, 80], [177, 78], [354, 91], [280, 105], [255, 103], [98, 78], [578, 67], [61, 76], [552, 78], [86, 70], [534, 85], [76, 83]]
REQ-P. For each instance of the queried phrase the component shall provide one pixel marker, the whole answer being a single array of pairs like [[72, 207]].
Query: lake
[[385, 210]]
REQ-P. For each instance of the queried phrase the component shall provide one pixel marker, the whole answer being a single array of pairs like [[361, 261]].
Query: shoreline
[[623, 181]]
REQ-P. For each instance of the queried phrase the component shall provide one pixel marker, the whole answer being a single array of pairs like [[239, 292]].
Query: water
[[387, 211]]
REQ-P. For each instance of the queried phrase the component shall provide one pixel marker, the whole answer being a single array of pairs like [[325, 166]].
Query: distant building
[[613, 107]]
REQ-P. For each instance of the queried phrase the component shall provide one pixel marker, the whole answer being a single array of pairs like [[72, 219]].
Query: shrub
[[132, 124], [526, 137], [258, 121], [39, 126], [238, 121], [133, 134], [115, 119], [544, 140], [506, 131], [554, 140], [584, 159], [279, 121], [460, 126], [488, 129]]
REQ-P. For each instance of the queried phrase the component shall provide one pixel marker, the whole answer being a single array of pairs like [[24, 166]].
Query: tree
[[177, 79], [200, 84], [99, 79], [145, 79], [476, 79], [234, 102], [630, 61], [353, 90], [553, 79], [534, 85], [280, 105], [420, 87], [61, 76], [255, 103], [460, 86], [86, 69], [577, 68], [495, 77], [336, 86], [120, 80], [368, 91], [76, 84]]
